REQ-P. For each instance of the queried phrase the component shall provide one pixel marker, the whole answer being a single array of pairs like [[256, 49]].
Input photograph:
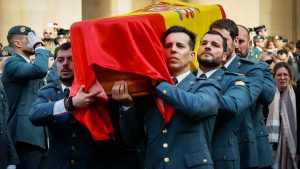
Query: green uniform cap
[[19, 30], [4, 53]]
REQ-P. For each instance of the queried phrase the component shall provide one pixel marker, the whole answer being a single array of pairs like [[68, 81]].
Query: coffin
[[138, 85]]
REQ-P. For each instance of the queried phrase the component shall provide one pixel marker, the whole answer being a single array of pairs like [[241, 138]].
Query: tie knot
[[203, 76], [67, 92], [224, 68], [175, 80]]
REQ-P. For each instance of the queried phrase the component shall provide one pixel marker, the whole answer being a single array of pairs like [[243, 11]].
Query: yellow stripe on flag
[[195, 17]]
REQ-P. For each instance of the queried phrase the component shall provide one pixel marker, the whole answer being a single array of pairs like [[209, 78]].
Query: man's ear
[[225, 56], [192, 55], [250, 44], [235, 42], [17, 43]]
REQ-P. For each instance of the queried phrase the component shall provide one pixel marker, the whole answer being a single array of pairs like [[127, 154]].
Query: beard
[[67, 80], [209, 63], [28, 52]]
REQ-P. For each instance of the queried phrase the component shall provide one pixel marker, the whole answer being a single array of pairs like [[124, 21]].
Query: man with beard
[[22, 80], [249, 157], [70, 144], [48, 40], [261, 108], [235, 98], [244, 42], [184, 142]]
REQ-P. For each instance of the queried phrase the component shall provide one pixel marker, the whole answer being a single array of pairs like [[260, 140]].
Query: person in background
[[282, 119], [50, 61], [4, 54], [8, 155], [48, 39], [259, 44], [282, 56], [269, 58], [261, 30]]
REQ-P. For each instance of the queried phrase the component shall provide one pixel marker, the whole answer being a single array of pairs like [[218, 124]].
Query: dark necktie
[[203, 76], [67, 92], [224, 68], [175, 80]]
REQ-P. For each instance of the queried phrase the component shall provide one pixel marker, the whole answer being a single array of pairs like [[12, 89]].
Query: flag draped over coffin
[[130, 43]]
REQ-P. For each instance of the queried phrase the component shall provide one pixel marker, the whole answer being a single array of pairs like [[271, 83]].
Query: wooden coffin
[[138, 85]]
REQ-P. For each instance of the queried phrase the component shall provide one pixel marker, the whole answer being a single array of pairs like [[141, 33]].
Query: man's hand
[[120, 93], [33, 40], [83, 99]]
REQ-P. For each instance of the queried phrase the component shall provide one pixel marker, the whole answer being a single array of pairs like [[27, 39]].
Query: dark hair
[[10, 39], [212, 32], [227, 24], [64, 46], [282, 51], [179, 29], [298, 44], [288, 68]]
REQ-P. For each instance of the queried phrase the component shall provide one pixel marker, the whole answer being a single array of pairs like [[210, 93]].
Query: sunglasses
[[270, 61]]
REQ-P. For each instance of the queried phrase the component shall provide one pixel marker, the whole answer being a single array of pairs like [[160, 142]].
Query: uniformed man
[[259, 44], [22, 80], [235, 98], [261, 30], [8, 155], [265, 98], [184, 142], [3, 56], [244, 42], [71, 145], [247, 136]]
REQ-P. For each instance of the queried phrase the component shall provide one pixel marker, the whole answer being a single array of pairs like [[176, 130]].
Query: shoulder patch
[[240, 83]]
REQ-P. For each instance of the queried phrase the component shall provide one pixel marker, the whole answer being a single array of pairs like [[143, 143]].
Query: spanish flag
[[130, 44]]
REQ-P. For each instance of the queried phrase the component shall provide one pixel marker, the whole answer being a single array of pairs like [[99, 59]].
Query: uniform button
[[166, 160], [205, 161], [139, 150], [261, 133], [165, 130], [45, 113], [165, 145], [74, 135], [72, 162], [1, 132], [1, 121], [73, 148], [164, 92]]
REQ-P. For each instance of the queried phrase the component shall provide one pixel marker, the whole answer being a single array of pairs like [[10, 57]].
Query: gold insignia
[[22, 29], [240, 83], [4, 53]]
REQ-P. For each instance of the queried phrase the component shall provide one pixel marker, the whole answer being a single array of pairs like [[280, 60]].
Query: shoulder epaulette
[[247, 61], [234, 73]]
